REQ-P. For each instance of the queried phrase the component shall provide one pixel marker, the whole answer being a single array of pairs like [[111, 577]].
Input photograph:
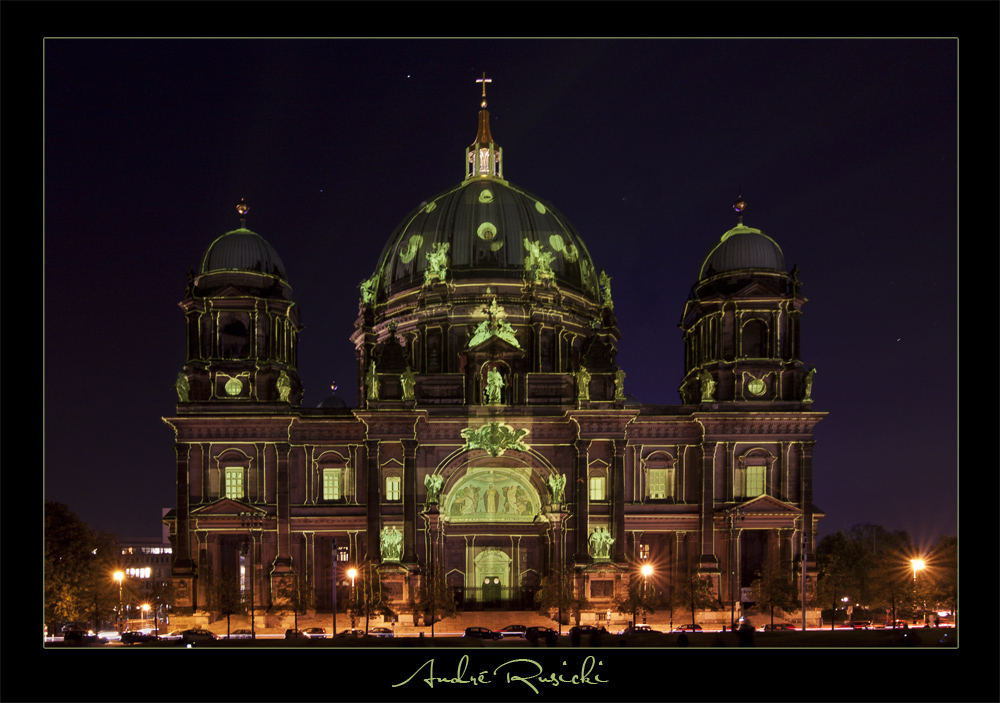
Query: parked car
[[81, 637], [482, 633], [688, 628], [638, 630], [175, 635], [351, 633], [317, 633], [197, 635], [583, 630], [109, 636], [241, 635], [380, 632], [293, 634], [513, 631], [860, 624], [533, 633], [777, 626], [132, 637], [890, 624]]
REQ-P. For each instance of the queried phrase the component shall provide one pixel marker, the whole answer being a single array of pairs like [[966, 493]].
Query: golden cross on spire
[[484, 80]]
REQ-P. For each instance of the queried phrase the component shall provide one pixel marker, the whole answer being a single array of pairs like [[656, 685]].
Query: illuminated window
[[342, 554], [644, 551], [234, 482], [658, 484], [392, 484], [331, 484], [755, 481], [597, 488]]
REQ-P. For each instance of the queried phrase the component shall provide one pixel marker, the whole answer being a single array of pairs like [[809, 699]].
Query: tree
[[774, 587], [229, 598], [557, 592], [696, 592], [370, 596], [942, 575], [639, 595], [435, 598], [79, 567]]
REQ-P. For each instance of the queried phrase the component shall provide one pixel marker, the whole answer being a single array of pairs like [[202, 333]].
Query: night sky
[[846, 152]]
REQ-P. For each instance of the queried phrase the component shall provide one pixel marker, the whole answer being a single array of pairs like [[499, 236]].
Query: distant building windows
[[332, 484], [392, 487], [598, 488], [234, 482], [342, 553]]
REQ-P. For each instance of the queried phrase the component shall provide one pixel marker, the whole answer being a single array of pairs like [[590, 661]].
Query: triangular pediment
[[766, 505], [496, 347], [225, 506], [756, 289]]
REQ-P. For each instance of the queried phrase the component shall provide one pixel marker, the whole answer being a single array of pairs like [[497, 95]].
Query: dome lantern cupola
[[243, 325], [741, 324], [484, 157]]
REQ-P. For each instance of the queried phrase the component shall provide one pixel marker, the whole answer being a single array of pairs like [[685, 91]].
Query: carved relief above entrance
[[493, 494]]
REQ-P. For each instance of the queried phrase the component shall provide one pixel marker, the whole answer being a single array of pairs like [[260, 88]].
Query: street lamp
[[917, 564], [119, 577], [646, 571], [352, 572]]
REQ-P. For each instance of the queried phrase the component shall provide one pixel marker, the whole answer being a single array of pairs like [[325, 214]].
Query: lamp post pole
[[646, 571], [252, 522], [119, 577], [733, 515], [352, 572]]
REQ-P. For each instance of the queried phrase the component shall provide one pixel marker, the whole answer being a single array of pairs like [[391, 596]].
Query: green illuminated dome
[[484, 229], [743, 248], [245, 251], [488, 228]]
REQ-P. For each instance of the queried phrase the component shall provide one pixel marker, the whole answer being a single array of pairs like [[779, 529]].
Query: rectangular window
[[234, 482], [597, 486], [342, 554], [755, 481], [644, 551], [331, 484], [657, 483], [392, 485]]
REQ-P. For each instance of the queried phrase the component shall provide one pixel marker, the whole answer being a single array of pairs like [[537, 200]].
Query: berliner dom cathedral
[[493, 442]]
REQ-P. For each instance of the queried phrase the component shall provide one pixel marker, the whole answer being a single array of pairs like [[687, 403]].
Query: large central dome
[[487, 228]]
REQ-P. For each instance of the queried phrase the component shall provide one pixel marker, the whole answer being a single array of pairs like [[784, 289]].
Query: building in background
[[493, 441]]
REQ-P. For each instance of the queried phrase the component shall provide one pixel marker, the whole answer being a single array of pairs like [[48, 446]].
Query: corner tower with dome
[[492, 453]]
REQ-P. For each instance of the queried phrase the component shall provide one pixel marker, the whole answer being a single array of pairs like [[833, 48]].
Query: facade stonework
[[493, 435]]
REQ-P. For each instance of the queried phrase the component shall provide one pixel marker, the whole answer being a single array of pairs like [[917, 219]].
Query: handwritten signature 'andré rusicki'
[[526, 671]]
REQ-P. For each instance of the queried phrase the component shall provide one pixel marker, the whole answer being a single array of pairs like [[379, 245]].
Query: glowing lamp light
[[647, 570]]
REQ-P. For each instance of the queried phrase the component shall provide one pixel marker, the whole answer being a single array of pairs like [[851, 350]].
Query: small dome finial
[[242, 208], [739, 206]]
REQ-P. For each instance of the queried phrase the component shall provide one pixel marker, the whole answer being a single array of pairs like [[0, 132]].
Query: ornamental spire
[[243, 209], [484, 157], [739, 206]]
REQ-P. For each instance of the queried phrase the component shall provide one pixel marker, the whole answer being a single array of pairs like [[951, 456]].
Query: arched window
[[233, 340], [754, 339]]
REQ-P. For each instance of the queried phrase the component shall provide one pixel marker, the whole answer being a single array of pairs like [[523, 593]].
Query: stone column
[[409, 501], [706, 518], [581, 485], [618, 504], [372, 505]]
